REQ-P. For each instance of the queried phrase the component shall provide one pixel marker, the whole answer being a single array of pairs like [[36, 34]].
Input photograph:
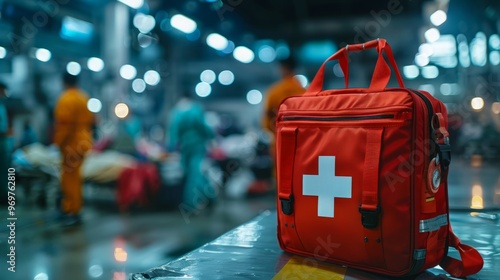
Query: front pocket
[[328, 174]]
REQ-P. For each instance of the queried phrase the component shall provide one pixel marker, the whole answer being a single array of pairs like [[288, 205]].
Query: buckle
[[444, 152], [369, 218], [287, 205]]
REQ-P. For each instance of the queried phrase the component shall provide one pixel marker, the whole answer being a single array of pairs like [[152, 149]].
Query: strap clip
[[287, 205], [369, 218], [444, 152]]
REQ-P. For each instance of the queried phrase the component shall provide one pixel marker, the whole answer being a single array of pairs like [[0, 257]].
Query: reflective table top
[[251, 251]]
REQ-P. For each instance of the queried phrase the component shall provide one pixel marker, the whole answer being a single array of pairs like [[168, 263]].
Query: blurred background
[[135, 59]]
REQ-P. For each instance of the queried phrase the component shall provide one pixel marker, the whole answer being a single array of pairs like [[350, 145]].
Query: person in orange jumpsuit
[[73, 135], [288, 86]]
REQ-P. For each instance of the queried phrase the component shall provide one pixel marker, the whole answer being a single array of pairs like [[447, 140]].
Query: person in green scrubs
[[190, 133]]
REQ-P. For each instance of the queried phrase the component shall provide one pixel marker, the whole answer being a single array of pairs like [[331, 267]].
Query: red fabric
[[137, 184], [471, 262], [356, 129], [369, 200], [381, 74]]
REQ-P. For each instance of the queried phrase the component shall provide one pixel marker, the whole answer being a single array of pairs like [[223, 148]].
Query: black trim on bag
[[430, 110]]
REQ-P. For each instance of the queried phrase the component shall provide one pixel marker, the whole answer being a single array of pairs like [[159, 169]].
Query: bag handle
[[471, 262], [381, 74]]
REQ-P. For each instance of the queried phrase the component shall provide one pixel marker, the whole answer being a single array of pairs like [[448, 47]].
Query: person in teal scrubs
[[4, 148], [190, 133]]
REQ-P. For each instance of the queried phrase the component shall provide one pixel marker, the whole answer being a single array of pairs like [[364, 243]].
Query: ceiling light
[[73, 68], [438, 17], [95, 64], [43, 55], [217, 41], [183, 23], [243, 54], [432, 35], [128, 72], [135, 4]]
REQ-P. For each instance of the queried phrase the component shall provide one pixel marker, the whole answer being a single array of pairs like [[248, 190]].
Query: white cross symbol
[[326, 186]]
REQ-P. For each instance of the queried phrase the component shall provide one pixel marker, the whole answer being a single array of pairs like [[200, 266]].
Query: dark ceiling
[[402, 22], [296, 21]]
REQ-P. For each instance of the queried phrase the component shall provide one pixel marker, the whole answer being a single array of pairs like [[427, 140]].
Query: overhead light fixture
[[410, 71], [135, 4], [243, 54], [426, 49], [95, 64], [152, 77], [43, 55], [267, 53], [421, 60], [145, 23], [226, 77], [438, 17], [282, 50], [463, 51], [427, 87], [478, 49], [230, 47], [449, 89], [495, 108], [302, 80], [208, 76], [183, 23], [494, 42], [128, 72], [495, 58], [77, 30], [203, 89], [430, 72], [73, 68], [121, 110], [3, 52], [432, 35], [217, 41], [254, 97], [94, 105], [477, 103], [138, 85]]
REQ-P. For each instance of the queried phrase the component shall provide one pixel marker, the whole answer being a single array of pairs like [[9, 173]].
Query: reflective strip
[[434, 223], [419, 254]]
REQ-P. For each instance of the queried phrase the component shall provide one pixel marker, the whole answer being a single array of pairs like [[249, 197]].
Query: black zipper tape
[[338, 119], [430, 111]]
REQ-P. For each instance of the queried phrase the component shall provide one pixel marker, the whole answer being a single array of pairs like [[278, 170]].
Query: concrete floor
[[112, 245]]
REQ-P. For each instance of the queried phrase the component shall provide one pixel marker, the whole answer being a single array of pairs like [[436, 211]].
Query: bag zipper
[[428, 104], [401, 115]]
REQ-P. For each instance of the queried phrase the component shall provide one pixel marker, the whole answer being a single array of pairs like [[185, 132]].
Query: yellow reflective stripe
[[310, 268]]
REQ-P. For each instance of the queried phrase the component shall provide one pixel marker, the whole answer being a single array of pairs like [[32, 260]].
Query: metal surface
[[251, 251]]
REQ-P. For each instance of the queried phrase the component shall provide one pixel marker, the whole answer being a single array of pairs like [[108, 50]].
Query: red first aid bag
[[362, 175]]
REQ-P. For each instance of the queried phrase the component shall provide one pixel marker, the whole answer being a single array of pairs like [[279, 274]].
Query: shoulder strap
[[471, 262]]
